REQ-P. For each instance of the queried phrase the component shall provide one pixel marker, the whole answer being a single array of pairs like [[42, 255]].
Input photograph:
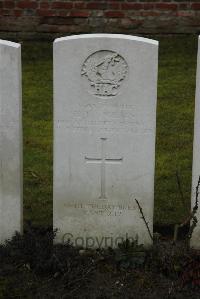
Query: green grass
[[175, 112], [37, 120], [176, 87]]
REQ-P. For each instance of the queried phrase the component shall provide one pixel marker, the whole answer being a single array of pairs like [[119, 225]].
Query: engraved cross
[[103, 161]]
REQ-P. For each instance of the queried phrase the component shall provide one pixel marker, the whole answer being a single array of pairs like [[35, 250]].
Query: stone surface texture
[[105, 92], [195, 240], [10, 140]]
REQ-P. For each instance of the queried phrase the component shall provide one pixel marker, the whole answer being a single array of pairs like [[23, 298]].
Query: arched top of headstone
[[108, 35], [9, 44]]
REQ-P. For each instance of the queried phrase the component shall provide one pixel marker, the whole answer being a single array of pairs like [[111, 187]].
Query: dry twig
[[143, 217], [190, 217], [179, 187]]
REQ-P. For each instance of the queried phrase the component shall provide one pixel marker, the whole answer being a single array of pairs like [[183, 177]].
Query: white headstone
[[195, 240], [105, 89], [10, 140]]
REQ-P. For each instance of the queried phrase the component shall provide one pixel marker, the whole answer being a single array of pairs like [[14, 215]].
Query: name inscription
[[98, 117]]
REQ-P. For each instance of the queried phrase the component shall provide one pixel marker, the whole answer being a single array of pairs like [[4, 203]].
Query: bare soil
[[32, 267]]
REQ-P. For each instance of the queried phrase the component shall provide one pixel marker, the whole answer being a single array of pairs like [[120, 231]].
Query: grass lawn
[[176, 88]]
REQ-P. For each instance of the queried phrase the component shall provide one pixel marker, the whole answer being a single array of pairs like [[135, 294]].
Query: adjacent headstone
[[195, 240], [10, 140], [105, 90]]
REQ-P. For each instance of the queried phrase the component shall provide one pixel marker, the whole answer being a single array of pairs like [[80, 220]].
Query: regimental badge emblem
[[105, 71]]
